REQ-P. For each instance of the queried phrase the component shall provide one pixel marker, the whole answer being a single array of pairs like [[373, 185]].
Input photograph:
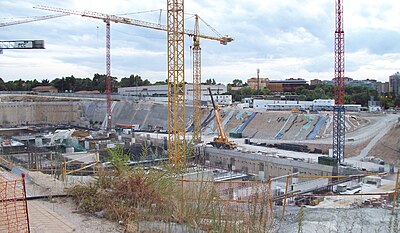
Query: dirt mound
[[388, 147]]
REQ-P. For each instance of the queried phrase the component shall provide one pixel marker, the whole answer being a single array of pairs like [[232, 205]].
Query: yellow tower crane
[[197, 89], [176, 80], [176, 83], [197, 115]]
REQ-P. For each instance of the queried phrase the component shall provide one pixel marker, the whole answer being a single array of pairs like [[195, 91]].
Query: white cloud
[[42, 68], [291, 38]]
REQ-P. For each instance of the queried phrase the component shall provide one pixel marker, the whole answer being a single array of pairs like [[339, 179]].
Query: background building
[[316, 82], [162, 90], [252, 82], [394, 84], [160, 93], [288, 85], [382, 88], [287, 105]]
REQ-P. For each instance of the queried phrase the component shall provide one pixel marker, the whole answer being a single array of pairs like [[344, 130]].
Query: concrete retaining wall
[[271, 166], [143, 113], [24, 113]]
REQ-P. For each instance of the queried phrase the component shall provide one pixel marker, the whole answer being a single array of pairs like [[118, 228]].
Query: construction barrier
[[13, 206], [243, 199]]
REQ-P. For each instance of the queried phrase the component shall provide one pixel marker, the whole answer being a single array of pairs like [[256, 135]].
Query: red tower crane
[[339, 110]]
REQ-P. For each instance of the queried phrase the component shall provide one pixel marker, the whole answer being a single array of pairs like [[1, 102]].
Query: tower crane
[[31, 19], [176, 84], [196, 83], [339, 110], [196, 49], [176, 81]]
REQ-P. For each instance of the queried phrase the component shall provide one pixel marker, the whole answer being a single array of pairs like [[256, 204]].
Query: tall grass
[[133, 196]]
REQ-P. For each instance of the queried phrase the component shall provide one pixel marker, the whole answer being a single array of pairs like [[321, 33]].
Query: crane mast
[[108, 76], [176, 84], [339, 110], [197, 117]]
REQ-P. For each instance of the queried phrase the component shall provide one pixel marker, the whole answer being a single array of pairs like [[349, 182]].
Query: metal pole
[[270, 199], [108, 76], [396, 192], [26, 202], [258, 81], [182, 187], [286, 191]]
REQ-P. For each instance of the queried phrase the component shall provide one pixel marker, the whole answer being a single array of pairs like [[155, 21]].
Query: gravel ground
[[84, 223], [318, 220], [355, 220]]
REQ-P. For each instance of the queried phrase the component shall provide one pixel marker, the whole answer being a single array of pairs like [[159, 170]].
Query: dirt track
[[388, 147]]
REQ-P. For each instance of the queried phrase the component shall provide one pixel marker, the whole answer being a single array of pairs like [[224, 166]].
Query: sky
[[284, 39]]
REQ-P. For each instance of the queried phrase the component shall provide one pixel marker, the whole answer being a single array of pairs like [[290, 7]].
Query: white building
[[316, 105], [160, 93], [219, 99], [280, 104], [162, 90], [323, 104]]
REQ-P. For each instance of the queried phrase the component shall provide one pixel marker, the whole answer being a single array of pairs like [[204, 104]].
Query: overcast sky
[[284, 39]]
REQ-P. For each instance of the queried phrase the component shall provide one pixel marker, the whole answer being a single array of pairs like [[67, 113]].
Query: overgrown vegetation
[[131, 196], [126, 195], [166, 198]]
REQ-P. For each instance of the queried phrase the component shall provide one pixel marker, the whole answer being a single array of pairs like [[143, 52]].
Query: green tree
[[83, 84], [207, 82], [247, 91], [265, 91], [161, 83], [118, 159], [31, 84], [59, 83], [70, 83], [45, 82], [237, 83], [2, 85], [133, 81]]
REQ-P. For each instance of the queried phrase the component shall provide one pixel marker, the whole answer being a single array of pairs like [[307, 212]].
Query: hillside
[[388, 147]]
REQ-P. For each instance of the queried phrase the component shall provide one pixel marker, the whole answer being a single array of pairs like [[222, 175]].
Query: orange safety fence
[[13, 206], [244, 198]]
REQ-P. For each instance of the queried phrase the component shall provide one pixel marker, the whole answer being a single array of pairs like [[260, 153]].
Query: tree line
[[353, 94], [73, 84]]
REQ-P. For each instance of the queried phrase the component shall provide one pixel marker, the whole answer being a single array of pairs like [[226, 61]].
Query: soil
[[388, 147]]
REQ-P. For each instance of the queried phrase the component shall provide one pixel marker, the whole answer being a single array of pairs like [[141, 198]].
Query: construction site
[[107, 162]]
